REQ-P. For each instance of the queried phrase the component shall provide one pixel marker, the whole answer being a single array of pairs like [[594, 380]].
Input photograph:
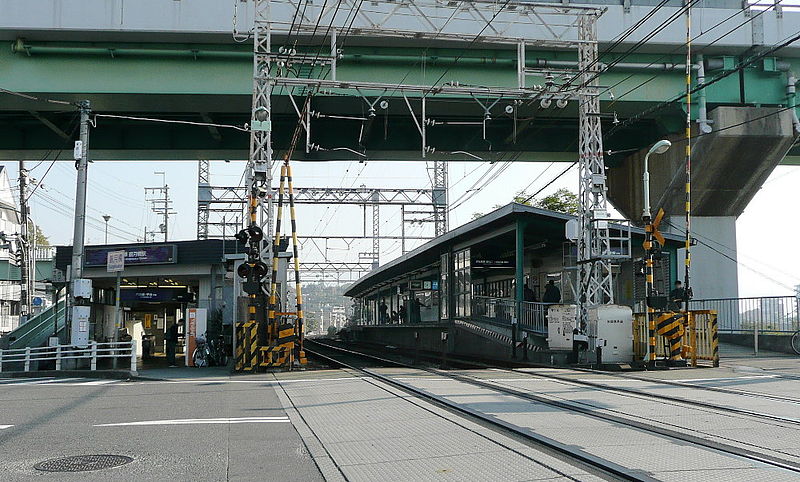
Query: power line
[[742, 65]]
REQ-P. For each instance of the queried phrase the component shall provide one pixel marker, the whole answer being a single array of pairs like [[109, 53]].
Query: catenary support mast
[[594, 249]]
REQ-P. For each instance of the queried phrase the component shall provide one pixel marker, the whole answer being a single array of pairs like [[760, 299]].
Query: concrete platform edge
[[321, 458]]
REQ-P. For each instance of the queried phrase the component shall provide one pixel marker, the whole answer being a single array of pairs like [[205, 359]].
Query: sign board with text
[[115, 261], [134, 255]]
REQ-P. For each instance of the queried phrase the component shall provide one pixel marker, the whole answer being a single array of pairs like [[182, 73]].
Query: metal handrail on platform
[[765, 315], [530, 316], [59, 353]]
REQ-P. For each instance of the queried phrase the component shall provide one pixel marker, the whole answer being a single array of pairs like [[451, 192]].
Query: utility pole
[[161, 203], [24, 258], [79, 330]]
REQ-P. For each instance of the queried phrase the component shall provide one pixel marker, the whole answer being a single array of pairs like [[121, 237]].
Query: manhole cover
[[82, 463]]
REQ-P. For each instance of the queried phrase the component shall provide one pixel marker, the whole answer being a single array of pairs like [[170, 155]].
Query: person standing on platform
[[401, 313], [529, 295], [383, 312], [172, 342], [551, 293], [416, 310], [676, 296]]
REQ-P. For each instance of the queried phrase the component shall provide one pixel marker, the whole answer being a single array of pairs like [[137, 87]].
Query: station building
[[159, 283], [481, 271]]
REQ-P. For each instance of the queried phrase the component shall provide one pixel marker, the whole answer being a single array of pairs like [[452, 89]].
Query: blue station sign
[[134, 255]]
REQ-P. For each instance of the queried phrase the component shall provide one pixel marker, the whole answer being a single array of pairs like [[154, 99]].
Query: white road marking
[[53, 380], [19, 381], [96, 382], [265, 382], [5, 426], [196, 421]]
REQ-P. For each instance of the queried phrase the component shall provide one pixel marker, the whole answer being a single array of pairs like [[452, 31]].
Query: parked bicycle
[[210, 352], [796, 342]]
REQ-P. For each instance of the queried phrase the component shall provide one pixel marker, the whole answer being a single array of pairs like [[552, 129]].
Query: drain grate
[[83, 463]]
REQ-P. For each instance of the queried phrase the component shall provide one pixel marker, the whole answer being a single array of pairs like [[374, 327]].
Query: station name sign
[[134, 255], [492, 263]]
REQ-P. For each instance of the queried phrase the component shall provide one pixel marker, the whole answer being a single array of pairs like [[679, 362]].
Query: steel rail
[[585, 458], [632, 391], [730, 391], [645, 427]]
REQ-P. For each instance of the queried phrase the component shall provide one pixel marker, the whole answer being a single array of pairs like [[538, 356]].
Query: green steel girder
[[183, 81]]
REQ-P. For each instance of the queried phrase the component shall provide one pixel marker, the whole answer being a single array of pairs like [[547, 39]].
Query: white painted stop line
[[5, 426], [198, 421]]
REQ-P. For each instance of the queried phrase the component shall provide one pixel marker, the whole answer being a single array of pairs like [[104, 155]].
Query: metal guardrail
[[532, 316], [59, 353], [770, 314]]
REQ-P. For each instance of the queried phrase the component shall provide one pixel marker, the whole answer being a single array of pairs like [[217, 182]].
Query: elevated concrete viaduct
[[729, 165]]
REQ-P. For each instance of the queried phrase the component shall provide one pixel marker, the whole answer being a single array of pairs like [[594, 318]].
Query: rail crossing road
[[370, 420]]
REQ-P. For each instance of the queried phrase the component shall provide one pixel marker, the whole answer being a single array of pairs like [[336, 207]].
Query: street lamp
[[107, 218], [659, 147]]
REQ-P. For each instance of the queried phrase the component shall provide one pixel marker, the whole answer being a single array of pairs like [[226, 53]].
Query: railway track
[[652, 427], [729, 391], [642, 393], [601, 467]]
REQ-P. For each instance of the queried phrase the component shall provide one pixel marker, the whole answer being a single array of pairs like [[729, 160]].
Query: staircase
[[36, 331]]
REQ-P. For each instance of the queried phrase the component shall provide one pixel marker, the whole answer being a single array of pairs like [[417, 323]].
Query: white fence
[[59, 353]]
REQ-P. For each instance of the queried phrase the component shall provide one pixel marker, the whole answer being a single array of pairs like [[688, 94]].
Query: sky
[[767, 263]]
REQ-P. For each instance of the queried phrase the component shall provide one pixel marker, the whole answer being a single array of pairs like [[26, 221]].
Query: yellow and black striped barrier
[[670, 327], [690, 335]]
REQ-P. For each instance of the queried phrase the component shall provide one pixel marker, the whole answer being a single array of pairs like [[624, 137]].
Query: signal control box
[[561, 322], [611, 328]]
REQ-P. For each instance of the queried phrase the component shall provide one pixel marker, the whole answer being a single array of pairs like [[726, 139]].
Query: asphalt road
[[247, 438]]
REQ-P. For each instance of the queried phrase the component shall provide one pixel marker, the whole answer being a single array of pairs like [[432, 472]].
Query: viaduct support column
[[729, 166]]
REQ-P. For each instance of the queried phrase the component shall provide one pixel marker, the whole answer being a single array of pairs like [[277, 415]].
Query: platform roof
[[542, 221]]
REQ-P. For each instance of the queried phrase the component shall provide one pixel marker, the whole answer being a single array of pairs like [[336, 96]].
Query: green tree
[[562, 201], [39, 236], [311, 322]]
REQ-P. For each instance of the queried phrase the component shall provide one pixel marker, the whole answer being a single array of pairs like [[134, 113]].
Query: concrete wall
[[714, 272], [460, 343], [778, 343], [729, 166]]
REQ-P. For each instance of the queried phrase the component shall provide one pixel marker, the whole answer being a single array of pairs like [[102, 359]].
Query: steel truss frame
[[595, 255], [335, 195], [514, 23]]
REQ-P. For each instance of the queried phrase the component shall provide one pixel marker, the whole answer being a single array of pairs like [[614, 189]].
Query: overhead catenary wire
[[731, 258], [677, 48], [741, 66], [171, 121]]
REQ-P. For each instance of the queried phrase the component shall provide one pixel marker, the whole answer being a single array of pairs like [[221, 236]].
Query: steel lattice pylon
[[202, 204], [440, 197], [376, 231], [261, 138], [594, 247]]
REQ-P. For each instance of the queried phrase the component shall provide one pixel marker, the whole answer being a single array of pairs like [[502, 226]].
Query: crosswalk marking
[[53, 381]]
